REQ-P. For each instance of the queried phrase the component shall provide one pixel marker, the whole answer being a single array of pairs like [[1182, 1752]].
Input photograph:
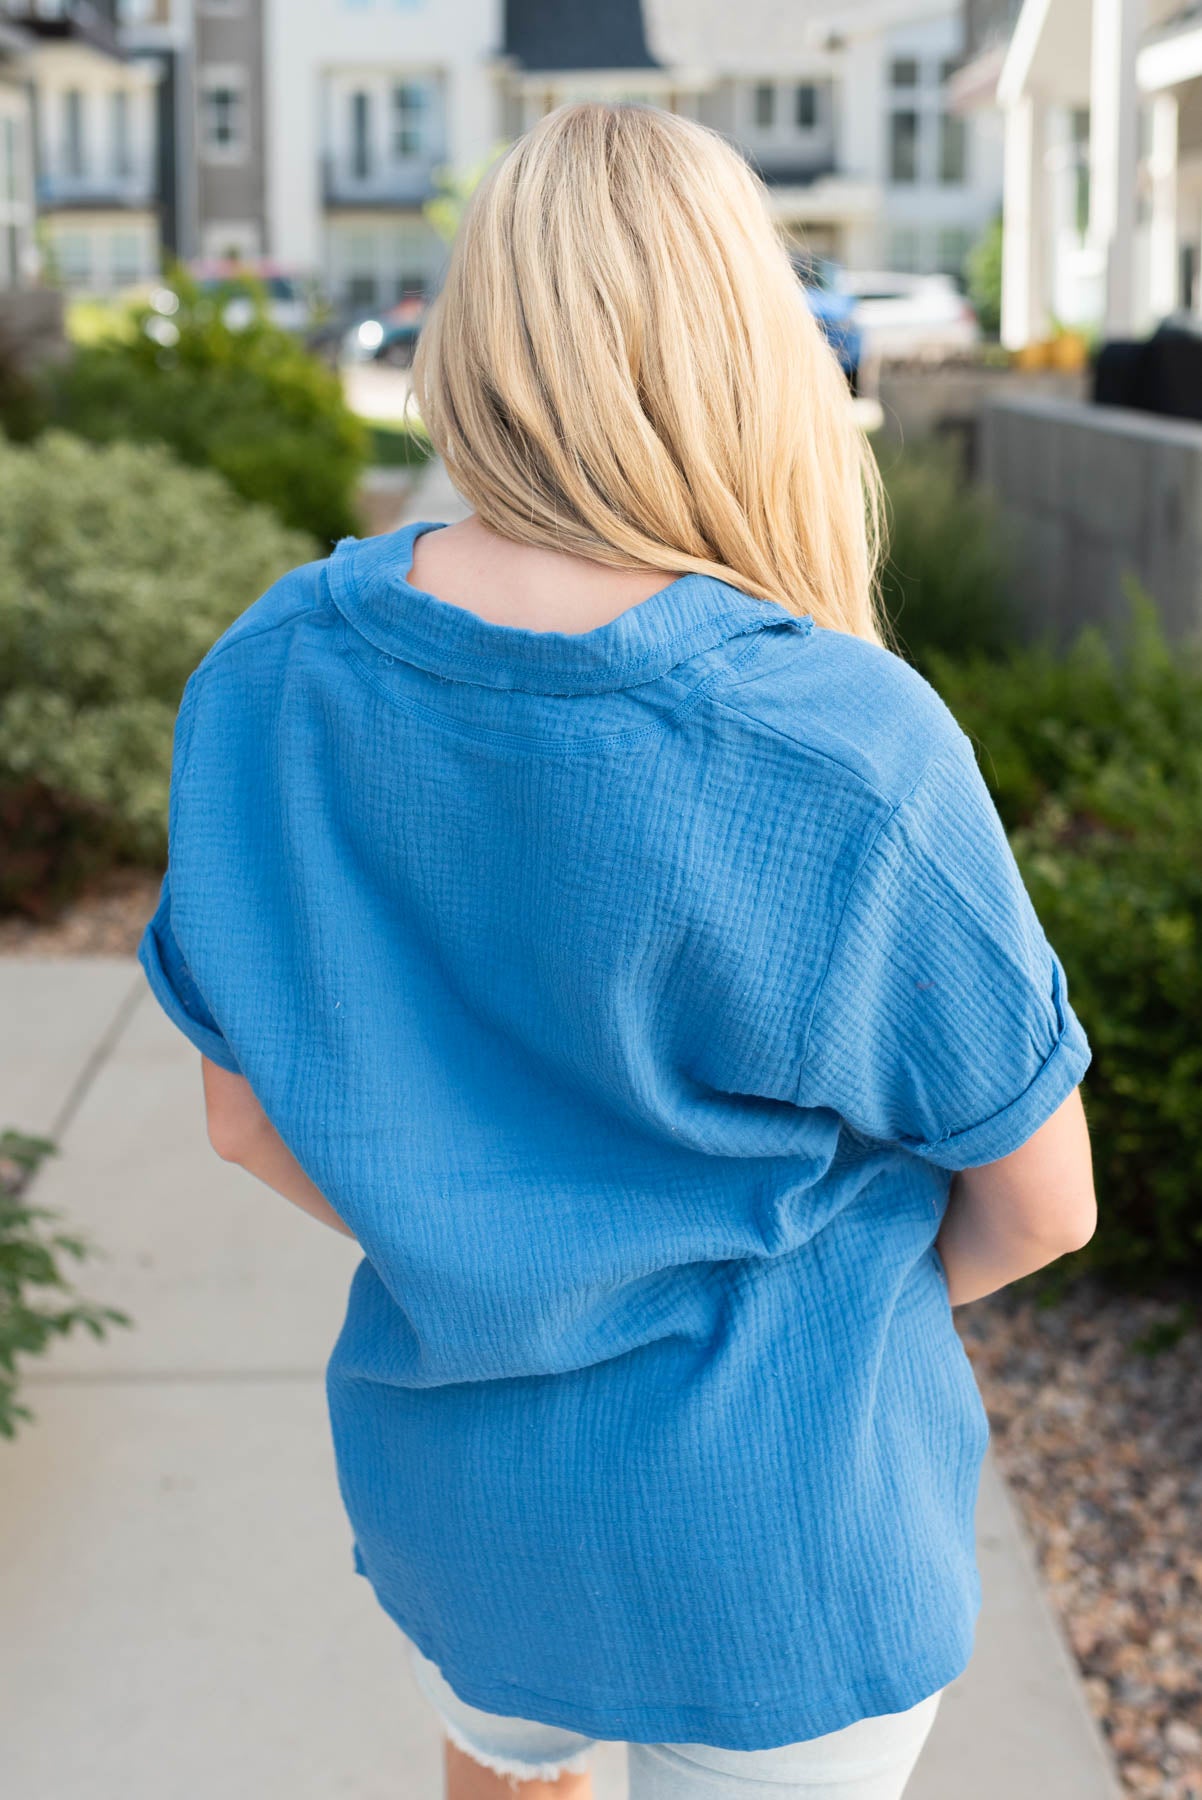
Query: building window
[[361, 136], [954, 244], [10, 177], [763, 105], [409, 105], [905, 249], [221, 117], [125, 258], [953, 149], [73, 254], [119, 139], [73, 133], [903, 147], [806, 106], [903, 72]]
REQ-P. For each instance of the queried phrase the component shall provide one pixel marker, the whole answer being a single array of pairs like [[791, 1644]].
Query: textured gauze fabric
[[632, 995]]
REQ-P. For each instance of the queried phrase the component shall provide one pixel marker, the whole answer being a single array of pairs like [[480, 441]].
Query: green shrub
[[118, 569], [400, 446], [1095, 761], [984, 271], [945, 576], [31, 1274], [251, 403]]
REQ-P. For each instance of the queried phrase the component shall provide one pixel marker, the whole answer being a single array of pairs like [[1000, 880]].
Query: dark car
[[389, 336]]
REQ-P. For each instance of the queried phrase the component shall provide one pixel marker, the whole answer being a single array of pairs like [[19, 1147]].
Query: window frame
[[230, 79]]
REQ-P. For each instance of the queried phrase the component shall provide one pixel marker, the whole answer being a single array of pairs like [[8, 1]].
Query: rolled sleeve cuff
[[1010, 1128], [210, 1043]]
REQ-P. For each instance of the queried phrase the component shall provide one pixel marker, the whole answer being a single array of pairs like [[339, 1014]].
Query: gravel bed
[[1101, 1444], [107, 920]]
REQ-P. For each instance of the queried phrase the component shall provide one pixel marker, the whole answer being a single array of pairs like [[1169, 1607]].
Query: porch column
[[1113, 155], [1163, 276], [1025, 295]]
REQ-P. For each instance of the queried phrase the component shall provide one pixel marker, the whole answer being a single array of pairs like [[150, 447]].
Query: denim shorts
[[870, 1760]]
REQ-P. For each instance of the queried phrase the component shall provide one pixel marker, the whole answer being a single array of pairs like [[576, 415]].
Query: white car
[[903, 316]]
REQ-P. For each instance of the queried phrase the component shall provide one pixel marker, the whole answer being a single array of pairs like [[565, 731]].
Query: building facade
[[94, 145], [366, 101], [848, 118], [315, 132], [18, 252], [230, 147]]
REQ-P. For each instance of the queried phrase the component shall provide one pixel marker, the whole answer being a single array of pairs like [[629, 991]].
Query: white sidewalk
[[180, 1620]]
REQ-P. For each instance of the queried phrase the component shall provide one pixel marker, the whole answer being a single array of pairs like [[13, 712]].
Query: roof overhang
[[1171, 58], [1049, 53], [974, 85]]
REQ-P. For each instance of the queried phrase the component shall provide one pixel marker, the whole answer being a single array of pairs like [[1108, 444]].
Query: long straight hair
[[621, 364]]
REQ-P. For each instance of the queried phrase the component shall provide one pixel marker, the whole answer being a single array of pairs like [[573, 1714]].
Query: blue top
[[632, 995]]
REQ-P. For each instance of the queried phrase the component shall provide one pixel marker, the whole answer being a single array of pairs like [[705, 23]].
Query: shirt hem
[[744, 1727]]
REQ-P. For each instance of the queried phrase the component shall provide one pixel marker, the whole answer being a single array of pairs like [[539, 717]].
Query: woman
[[583, 909]]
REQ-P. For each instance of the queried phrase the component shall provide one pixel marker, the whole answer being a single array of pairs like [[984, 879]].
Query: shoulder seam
[[853, 884], [219, 649], [823, 756]]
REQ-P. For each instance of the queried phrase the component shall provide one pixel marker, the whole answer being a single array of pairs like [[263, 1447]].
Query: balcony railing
[[406, 183], [793, 171], [96, 189]]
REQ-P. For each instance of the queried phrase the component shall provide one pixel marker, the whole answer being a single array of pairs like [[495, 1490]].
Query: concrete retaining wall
[[31, 326], [1090, 495], [945, 403]]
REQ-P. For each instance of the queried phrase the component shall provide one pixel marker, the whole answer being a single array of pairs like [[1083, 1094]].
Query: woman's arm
[[1006, 1219], [241, 1132]]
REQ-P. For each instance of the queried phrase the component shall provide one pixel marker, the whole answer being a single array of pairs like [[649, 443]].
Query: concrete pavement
[[180, 1617]]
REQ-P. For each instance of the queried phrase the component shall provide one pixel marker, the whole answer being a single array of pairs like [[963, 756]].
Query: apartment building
[[316, 131], [230, 149], [211, 147], [848, 116], [159, 35], [18, 255], [365, 101], [94, 144]]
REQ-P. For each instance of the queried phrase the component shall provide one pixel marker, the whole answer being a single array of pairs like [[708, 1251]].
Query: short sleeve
[[173, 987], [942, 1022], [170, 979]]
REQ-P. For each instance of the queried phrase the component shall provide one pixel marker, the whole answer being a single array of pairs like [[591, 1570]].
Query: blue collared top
[[633, 995]]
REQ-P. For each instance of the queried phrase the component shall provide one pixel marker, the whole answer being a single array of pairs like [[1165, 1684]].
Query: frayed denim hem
[[511, 1766]]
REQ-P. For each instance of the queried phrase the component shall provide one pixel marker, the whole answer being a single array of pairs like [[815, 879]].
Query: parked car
[[834, 309], [901, 316], [388, 337], [291, 298]]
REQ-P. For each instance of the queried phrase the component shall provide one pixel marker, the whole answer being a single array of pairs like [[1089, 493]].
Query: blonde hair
[[620, 364]]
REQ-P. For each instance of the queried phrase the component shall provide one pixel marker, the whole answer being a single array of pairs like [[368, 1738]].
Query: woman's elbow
[[231, 1137], [232, 1114], [1080, 1225]]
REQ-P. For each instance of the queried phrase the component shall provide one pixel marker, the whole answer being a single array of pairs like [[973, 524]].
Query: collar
[[694, 613]]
